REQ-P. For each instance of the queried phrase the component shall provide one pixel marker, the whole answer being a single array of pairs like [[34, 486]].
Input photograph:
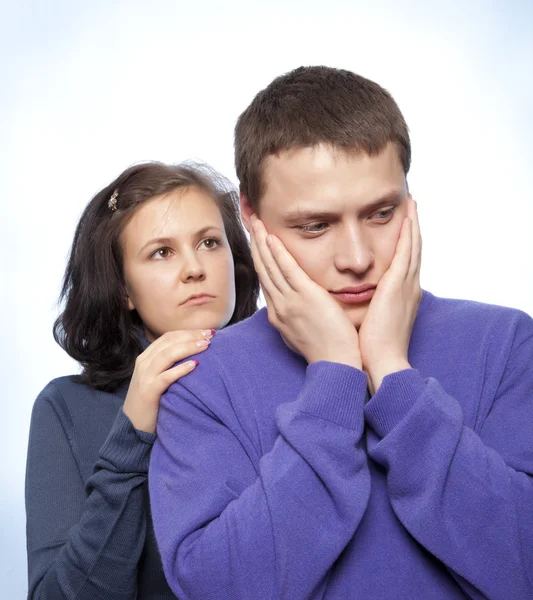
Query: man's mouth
[[357, 294]]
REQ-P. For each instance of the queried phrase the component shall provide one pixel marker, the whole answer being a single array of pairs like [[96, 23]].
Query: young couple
[[359, 438]]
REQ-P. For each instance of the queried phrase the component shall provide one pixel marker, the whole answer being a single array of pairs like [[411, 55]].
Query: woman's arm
[[84, 541]]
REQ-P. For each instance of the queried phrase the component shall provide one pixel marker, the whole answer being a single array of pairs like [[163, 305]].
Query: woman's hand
[[308, 319], [152, 374]]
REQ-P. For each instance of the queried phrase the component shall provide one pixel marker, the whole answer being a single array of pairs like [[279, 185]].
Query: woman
[[159, 262]]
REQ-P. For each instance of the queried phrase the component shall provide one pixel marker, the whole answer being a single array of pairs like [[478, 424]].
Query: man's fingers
[[270, 269], [402, 256], [293, 274], [269, 302], [416, 245], [262, 273]]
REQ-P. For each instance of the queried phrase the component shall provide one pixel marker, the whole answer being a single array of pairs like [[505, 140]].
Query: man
[[360, 438]]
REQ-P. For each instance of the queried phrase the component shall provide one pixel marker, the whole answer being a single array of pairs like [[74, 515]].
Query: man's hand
[[386, 329], [307, 317]]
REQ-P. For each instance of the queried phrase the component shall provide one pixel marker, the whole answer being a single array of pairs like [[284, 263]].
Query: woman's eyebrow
[[163, 241], [204, 230], [168, 241]]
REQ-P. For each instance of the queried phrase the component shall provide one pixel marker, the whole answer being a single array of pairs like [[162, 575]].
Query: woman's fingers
[[170, 355], [172, 375], [173, 338]]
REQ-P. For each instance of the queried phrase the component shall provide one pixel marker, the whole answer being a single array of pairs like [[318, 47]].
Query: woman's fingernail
[[202, 343], [206, 332], [270, 240]]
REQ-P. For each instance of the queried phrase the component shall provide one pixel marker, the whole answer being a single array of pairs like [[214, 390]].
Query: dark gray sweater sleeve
[[84, 540]]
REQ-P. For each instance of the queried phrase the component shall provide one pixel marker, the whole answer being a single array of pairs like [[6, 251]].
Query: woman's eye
[[210, 243], [161, 253], [314, 228]]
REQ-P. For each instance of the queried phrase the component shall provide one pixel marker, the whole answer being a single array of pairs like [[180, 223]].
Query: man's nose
[[354, 252]]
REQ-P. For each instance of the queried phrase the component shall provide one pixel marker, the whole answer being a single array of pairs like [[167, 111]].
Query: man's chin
[[356, 314]]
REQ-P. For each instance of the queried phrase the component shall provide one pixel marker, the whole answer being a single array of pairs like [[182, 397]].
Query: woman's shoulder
[[69, 389], [74, 401], [79, 412]]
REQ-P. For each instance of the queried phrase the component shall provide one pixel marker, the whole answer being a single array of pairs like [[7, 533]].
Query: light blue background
[[88, 88]]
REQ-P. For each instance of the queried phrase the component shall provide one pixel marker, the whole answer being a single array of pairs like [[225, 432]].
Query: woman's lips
[[196, 300]]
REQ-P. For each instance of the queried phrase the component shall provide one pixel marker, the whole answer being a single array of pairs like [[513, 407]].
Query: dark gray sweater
[[89, 529]]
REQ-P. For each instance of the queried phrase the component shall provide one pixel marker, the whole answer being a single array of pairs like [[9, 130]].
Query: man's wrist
[[343, 358], [378, 372]]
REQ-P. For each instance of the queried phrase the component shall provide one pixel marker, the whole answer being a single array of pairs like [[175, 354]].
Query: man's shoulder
[[457, 308], [249, 340], [472, 316], [238, 356], [246, 330]]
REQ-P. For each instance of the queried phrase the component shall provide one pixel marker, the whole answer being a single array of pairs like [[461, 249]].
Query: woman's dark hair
[[96, 328]]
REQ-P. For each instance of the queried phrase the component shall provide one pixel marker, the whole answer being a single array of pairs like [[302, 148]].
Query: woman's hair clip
[[112, 204]]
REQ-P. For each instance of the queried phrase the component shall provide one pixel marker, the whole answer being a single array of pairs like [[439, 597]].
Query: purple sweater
[[271, 479]]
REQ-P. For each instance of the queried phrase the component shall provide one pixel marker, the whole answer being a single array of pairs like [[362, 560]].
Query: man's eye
[[385, 215], [314, 228]]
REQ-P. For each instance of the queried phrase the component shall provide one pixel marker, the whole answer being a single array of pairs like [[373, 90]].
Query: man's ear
[[246, 211]]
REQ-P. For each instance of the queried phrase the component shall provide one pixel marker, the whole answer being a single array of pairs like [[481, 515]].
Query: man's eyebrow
[[300, 215], [394, 197], [297, 216], [168, 241]]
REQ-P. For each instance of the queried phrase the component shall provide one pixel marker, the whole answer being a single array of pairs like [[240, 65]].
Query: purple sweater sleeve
[[233, 524], [466, 496]]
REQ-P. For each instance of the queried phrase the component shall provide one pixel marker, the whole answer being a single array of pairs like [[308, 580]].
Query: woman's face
[[178, 265]]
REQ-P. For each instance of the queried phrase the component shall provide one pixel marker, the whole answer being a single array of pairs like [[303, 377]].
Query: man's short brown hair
[[311, 106]]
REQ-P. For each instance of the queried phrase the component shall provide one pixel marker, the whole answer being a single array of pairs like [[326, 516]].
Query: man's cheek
[[309, 258], [297, 252], [388, 249]]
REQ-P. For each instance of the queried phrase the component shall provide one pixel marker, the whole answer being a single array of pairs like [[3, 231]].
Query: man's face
[[338, 214]]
